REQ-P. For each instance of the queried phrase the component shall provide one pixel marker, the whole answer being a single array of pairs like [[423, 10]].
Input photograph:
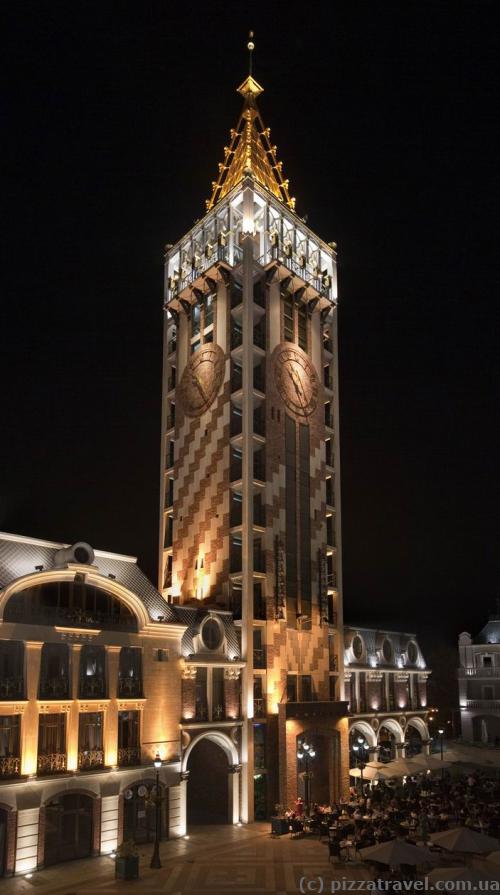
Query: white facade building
[[479, 683]]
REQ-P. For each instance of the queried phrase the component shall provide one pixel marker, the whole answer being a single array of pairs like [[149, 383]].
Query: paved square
[[219, 859]]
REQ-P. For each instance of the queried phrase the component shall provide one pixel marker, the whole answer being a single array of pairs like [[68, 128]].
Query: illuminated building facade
[[250, 499], [386, 687], [479, 683]]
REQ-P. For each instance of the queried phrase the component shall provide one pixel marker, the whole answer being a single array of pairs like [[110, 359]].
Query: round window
[[357, 646], [211, 634], [412, 652], [387, 650]]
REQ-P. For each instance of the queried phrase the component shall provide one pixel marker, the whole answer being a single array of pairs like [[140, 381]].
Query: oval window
[[387, 650], [211, 634], [357, 646], [412, 652]]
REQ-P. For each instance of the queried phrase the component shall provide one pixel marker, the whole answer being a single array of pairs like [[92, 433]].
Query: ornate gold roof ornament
[[250, 152]]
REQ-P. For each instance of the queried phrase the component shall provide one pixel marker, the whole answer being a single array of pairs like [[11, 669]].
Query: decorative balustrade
[[92, 688], [90, 758], [51, 763], [54, 687], [11, 687], [129, 687], [492, 704], [473, 671], [74, 617], [10, 766], [128, 756]]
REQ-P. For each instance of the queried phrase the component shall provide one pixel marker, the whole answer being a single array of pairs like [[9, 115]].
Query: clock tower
[[250, 484]]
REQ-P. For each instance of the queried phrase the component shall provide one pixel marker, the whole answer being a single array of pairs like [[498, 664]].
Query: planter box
[[279, 826], [127, 868]]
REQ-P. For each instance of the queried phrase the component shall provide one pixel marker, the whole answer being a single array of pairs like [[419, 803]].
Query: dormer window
[[387, 650]]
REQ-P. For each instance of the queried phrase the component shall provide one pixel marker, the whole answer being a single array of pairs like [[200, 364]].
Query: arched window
[[70, 603]]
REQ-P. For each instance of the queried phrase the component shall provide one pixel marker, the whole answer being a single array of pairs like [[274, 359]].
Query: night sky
[[115, 118]]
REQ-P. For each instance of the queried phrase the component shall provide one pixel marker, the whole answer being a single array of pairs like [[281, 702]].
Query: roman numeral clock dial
[[201, 380], [296, 380]]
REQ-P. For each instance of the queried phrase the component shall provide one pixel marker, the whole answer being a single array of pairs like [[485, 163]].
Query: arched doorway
[[208, 792], [415, 735], [387, 744], [68, 828], [139, 812]]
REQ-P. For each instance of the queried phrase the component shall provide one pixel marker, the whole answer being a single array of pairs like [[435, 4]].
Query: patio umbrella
[[461, 839], [402, 767], [396, 852], [422, 763], [494, 858], [462, 874], [371, 773]]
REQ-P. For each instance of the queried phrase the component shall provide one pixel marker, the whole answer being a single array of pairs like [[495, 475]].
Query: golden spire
[[250, 152]]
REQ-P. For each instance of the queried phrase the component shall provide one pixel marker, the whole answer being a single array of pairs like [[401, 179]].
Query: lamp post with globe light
[[361, 749], [155, 860], [305, 753]]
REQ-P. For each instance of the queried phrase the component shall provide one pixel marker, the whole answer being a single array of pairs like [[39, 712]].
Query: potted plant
[[279, 822], [127, 861]]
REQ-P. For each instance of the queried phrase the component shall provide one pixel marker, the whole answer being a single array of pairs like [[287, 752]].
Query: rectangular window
[[306, 691], [218, 712], [288, 329], [259, 744], [487, 662], [333, 689], [291, 514], [291, 688], [195, 346], [209, 311], [130, 672], [259, 657], [9, 736], [51, 744], [92, 672], [201, 713], [195, 320], [305, 520], [302, 328], [90, 740], [129, 739]]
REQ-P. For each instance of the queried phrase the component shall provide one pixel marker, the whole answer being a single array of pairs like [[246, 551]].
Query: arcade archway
[[68, 828], [213, 782]]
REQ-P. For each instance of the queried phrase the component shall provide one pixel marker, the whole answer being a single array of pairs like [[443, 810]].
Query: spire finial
[[250, 48]]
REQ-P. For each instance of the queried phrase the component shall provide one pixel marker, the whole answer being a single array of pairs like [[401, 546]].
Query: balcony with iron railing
[[129, 756], [51, 763], [92, 687], [129, 687], [478, 671], [90, 759], [54, 686], [10, 766], [490, 704], [12, 687], [259, 707]]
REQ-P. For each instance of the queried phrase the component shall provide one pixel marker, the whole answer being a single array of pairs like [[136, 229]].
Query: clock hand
[[297, 384], [196, 381]]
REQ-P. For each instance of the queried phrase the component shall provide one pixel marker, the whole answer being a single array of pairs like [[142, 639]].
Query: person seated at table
[[299, 807]]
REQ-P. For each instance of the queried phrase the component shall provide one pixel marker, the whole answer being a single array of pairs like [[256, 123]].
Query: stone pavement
[[214, 861]]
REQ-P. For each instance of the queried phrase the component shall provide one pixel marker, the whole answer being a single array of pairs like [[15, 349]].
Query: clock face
[[202, 379], [296, 380]]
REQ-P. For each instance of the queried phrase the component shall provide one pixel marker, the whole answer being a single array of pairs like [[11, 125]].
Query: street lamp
[[305, 753], [362, 747], [155, 860], [441, 736]]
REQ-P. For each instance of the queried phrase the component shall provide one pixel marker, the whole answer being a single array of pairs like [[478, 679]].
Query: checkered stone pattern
[[201, 498], [283, 639]]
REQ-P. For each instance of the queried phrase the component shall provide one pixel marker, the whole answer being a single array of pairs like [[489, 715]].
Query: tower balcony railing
[[300, 267], [200, 264]]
